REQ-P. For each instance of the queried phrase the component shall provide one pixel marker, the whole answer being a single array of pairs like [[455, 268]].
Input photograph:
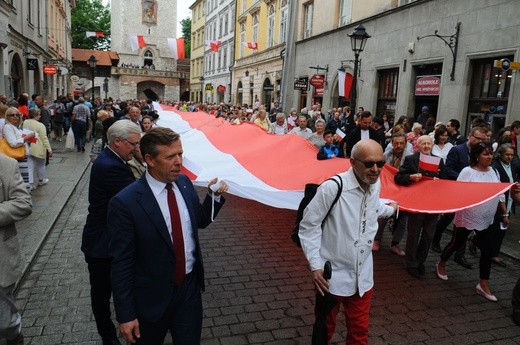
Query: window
[[220, 27], [244, 6], [345, 12], [387, 92], [148, 58], [224, 57], [226, 23], [270, 27], [242, 38], [29, 11], [255, 27], [283, 25], [307, 24]]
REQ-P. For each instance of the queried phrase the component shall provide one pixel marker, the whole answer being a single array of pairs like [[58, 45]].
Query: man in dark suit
[[110, 173], [157, 269], [362, 131], [421, 226], [457, 159]]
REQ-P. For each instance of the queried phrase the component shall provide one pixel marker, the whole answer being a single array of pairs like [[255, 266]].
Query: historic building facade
[[405, 64], [150, 71], [219, 47], [257, 73], [32, 35], [198, 19]]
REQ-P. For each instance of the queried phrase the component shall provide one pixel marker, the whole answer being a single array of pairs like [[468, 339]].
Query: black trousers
[[445, 220], [100, 294]]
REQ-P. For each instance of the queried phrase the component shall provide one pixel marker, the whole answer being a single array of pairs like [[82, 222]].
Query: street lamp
[[92, 63], [358, 39], [105, 87]]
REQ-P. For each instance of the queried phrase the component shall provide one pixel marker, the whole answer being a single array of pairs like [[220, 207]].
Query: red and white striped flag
[[214, 45], [344, 83], [429, 163], [176, 46], [95, 34], [340, 134], [136, 42], [251, 45]]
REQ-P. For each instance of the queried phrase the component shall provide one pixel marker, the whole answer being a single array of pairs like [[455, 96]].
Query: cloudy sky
[[183, 11]]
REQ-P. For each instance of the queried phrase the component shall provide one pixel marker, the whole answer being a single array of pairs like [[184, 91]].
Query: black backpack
[[310, 191]]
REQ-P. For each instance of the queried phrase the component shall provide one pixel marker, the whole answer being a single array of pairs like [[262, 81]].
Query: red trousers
[[356, 316]]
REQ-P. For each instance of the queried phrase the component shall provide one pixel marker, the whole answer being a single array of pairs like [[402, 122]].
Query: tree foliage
[[90, 15], [186, 34]]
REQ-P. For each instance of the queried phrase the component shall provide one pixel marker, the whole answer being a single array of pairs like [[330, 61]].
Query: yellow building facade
[[197, 51], [257, 73]]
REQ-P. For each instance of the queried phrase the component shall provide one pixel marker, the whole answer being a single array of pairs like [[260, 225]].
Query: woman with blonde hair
[[37, 150]]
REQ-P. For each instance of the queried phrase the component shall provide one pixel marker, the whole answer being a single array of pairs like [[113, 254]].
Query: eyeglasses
[[134, 145], [478, 138], [370, 164], [13, 115]]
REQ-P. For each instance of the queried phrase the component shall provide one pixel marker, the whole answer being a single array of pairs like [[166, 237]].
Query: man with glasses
[[352, 222], [457, 159], [421, 226], [110, 173]]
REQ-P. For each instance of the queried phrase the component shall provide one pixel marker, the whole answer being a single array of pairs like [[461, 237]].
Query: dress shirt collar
[[155, 185], [353, 183], [118, 156]]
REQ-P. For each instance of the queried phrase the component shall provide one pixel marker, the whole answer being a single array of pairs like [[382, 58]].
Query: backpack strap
[[340, 189]]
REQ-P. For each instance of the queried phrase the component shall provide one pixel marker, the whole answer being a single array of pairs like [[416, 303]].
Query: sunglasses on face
[[14, 115], [370, 164]]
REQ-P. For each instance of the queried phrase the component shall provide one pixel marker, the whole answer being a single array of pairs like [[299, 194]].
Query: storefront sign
[[301, 84], [318, 81], [32, 64], [50, 70], [429, 85], [209, 87], [319, 92], [221, 88], [268, 88]]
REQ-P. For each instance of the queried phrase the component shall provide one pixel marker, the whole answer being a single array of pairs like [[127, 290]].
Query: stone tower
[[149, 72]]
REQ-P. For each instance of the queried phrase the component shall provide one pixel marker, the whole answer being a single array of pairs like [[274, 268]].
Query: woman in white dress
[[441, 146]]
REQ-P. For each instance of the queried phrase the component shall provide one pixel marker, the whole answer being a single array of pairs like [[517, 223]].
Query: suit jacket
[[354, 136], [411, 166], [503, 175], [457, 159], [108, 176], [141, 247], [15, 205]]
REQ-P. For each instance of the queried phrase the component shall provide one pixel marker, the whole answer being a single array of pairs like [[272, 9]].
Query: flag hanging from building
[[214, 45], [95, 34], [136, 42], [251, 45], [176, 46], [344, 83]]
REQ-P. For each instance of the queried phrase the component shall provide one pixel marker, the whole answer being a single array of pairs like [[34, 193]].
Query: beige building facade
[[197, 51], [406, 65]]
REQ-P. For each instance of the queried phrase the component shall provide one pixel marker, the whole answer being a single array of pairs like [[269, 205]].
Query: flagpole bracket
[[344, 63]]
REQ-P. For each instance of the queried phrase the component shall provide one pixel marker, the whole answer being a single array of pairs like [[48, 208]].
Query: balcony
[[149, 73]]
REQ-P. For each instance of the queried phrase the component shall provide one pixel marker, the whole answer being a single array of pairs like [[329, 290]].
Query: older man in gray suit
[[15, 205]]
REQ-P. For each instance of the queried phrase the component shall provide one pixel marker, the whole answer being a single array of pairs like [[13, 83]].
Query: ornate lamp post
[[358, 39], [92, 61]]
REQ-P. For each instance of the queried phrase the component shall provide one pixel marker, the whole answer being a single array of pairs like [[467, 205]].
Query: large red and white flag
[[250, 45], [176, 46], [344, 83], [253, 172], [429, 163], [214, 45], [95, 34], [136, 42]]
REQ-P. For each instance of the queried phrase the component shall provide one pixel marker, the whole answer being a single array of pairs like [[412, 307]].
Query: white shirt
[[478, 217], [161, 195], [348, 233], [304, 133], [365, 134], [443, 153]]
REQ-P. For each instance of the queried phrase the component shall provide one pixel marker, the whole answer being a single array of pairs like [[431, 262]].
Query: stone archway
[[16, 76], [150, 89]]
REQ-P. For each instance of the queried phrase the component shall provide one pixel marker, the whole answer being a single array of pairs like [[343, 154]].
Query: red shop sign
[[428, 86], [318, 81], [50, 70]]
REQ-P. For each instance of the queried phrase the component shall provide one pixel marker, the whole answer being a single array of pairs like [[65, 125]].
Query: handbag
[[17, 153]]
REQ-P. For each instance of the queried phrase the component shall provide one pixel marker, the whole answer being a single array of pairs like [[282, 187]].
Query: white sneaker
[[33, 186], [43, 182]]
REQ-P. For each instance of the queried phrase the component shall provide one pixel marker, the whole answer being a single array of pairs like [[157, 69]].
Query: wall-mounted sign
[[221, 88], [32, 64], [318, 81], [301, 84], [209, 87], [428, 85], [50, 70], [268, 87], [318, 92], [74, 78]]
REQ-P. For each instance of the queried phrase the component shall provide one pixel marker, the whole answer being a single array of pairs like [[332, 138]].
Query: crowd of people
[[370, 142]]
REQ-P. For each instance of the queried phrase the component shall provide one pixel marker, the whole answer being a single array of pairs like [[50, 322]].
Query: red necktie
[[178, 241]]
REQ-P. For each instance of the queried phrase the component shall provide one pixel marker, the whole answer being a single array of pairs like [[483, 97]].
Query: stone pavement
[[258, 286]]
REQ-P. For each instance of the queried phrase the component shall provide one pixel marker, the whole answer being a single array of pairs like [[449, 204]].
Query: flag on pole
[[95, 34], [340, 134], [214, 45], [251, 45], [344, 83], [176, 46], [136, 42], [429, 163]]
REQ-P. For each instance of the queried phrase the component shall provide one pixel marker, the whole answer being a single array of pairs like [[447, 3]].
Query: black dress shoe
[[113, 341], [414, 272], [421, 269], [462, 261], [436, 247], [16, 341]]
